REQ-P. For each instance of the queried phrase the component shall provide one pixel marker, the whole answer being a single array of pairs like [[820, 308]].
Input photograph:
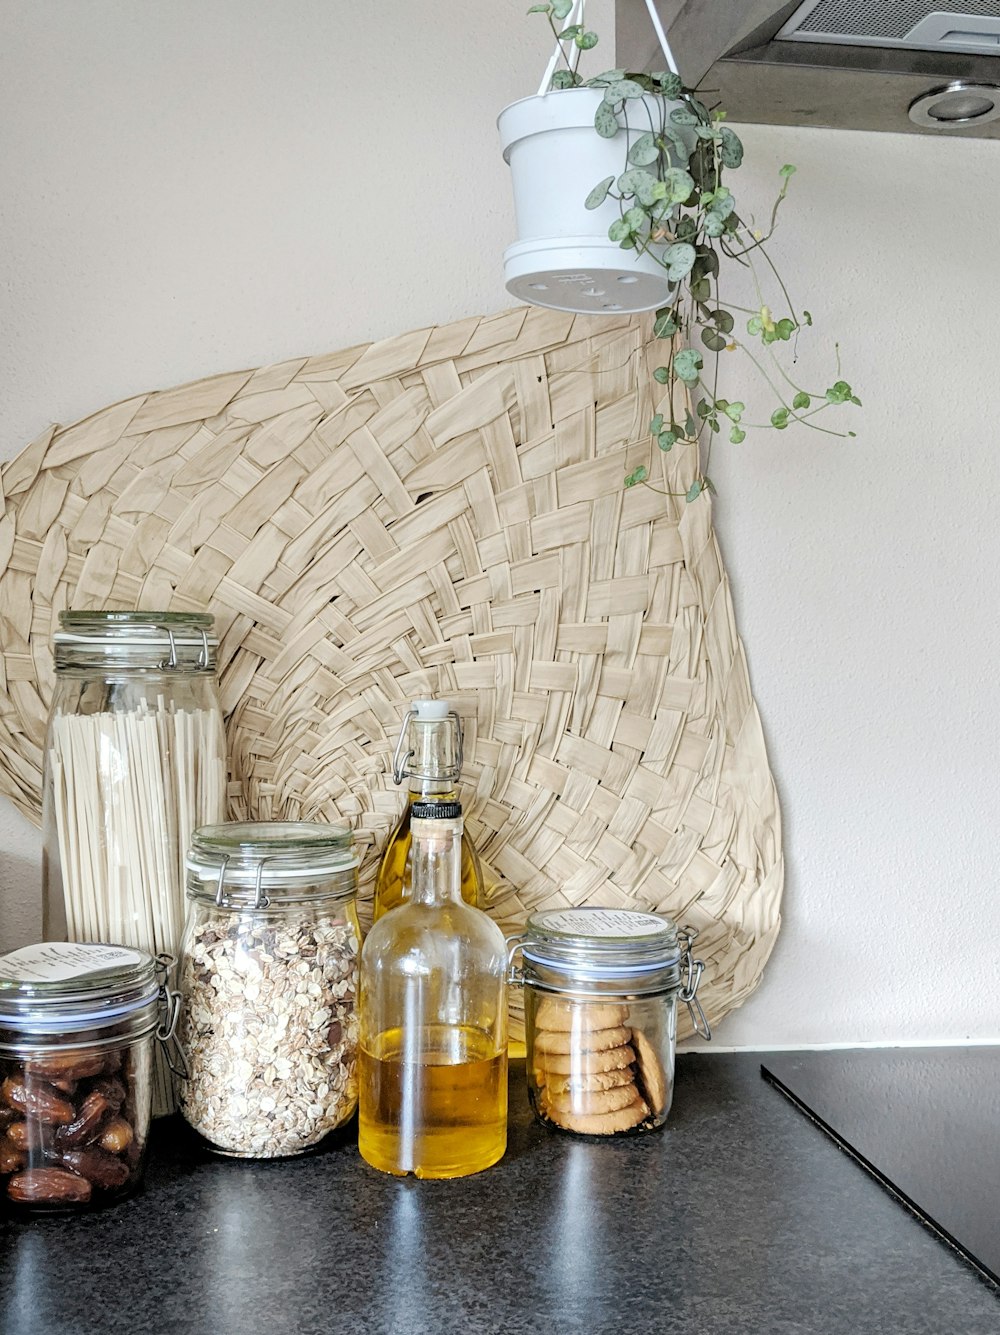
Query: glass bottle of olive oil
[[433, 1019], [429, 755]]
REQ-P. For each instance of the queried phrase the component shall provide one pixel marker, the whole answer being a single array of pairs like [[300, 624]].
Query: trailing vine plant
[[675, 207]]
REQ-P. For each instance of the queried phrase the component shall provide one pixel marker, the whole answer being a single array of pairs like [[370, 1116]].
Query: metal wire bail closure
[[220, 894], [400, 761], [515, 975], [453, 714], [169, 664], [170, 1006], [689, 989], [260, 899]]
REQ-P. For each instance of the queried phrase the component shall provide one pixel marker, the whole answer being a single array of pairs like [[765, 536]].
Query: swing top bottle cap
[[429, 710], [430, 743], [435, 810]]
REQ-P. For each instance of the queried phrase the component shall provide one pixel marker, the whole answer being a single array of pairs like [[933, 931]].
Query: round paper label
[[57, 961], [602, 922]]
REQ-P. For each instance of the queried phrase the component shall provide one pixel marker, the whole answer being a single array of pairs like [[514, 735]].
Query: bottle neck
[[432, 757], [436, 862]]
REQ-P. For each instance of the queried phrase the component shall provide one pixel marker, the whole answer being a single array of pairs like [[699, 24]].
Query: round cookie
[[602, 1124], [587, 1103], [583, 1063], [650, 1073], [563, 1016], [591, 1040], [587, 1084]]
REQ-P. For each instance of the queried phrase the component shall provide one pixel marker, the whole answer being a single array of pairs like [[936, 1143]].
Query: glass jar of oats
[[268, 979], [601, 988]]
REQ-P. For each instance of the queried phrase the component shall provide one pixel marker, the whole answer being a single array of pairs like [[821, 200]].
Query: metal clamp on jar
[[269, 968], [77, 1029], [600, 998]]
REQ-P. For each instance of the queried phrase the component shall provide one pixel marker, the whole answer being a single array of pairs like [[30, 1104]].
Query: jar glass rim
[[159, 641], [89, 619], [241, 854]]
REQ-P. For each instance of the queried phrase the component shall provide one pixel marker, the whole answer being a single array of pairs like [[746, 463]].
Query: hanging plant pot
[[563, 257], [623, 205]]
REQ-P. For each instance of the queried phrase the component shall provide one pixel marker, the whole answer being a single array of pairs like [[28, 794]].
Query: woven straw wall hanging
[[439, 513]]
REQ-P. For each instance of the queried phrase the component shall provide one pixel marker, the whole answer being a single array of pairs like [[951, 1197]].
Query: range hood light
[[956, 104]]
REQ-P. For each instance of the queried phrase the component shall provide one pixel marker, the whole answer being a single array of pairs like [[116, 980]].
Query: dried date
[[48, 1186], [117, 1136], [133, 1153], [30, 1136], [12, 1160], [86, 1125], [66, 1128], [111, 1089], [101, 1170], [33, 1099], [68, 1065]]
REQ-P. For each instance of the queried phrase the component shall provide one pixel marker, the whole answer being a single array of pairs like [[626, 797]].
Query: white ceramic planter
[[562, 257]]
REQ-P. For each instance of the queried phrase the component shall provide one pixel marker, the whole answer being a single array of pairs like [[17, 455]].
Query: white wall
[[213, 184], [865, 580]]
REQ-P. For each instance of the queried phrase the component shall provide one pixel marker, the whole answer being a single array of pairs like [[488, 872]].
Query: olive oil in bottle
[[443, 1115], [433, 1020], [429, 755]]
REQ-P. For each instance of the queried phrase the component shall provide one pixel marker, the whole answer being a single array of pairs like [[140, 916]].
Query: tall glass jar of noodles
[[135, 761]]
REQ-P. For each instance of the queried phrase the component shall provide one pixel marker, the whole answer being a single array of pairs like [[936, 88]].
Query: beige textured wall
[[193, 187]]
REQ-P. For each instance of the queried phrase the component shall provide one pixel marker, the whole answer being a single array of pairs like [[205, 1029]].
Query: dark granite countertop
[[739, 1218]]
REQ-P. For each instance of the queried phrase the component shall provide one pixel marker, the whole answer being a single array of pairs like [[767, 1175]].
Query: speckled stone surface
[[740, 1218]]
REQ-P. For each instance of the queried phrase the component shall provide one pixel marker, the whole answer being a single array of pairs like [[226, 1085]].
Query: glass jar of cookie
[[601, 988]]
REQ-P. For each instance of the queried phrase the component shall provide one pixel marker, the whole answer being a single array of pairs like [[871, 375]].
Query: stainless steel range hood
[[907, 66]]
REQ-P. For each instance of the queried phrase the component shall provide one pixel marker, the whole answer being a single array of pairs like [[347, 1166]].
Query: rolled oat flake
[[269, 981]]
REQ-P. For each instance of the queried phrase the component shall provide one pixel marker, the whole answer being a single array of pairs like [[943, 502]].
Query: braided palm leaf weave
[[439, 513]]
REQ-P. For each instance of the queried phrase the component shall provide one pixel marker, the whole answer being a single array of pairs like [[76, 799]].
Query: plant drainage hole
[[612, 305], [628, 278], [538, 287]]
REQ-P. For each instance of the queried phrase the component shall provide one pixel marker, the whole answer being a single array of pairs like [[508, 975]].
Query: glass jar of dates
[[268, 976], [601, 988], [77, 1029]]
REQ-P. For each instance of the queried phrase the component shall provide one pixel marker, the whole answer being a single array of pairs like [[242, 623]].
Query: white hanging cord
[[662, 38], [575, 15], [577, 51]]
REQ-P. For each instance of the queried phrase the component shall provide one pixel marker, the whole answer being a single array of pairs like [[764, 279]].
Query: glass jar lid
[[260, 863], [56, 991], [154, 641], [601, 949]]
